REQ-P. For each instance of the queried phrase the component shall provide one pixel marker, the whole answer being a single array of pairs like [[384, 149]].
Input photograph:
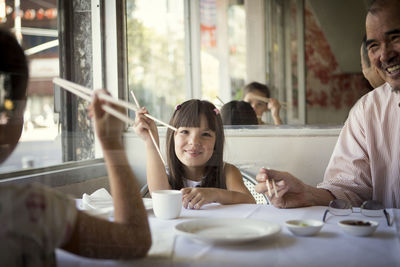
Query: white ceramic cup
[[167, 204]]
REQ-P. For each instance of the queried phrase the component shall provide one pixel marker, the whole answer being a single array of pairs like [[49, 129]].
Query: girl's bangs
[[190, 113]]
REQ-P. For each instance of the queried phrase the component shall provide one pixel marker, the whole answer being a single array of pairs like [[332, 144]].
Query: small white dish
[[304, 227], [358, 227]]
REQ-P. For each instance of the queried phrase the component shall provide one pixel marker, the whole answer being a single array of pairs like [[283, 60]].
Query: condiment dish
[[304, 227], [358, 227]]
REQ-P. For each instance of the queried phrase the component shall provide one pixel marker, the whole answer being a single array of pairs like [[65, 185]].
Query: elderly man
[[365, 162]]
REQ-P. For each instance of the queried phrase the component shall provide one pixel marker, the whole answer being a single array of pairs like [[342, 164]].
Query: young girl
[[194, 156]]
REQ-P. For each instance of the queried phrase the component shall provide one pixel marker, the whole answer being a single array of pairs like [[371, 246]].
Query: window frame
[[75, 170]]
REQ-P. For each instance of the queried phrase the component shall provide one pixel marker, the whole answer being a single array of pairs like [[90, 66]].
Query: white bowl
[[304, 227], [358, 227]]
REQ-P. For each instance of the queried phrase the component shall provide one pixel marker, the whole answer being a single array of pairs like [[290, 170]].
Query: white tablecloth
[[331, 247]]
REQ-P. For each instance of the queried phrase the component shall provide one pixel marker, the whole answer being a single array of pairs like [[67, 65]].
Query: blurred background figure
[[258, 96], [238, 113]]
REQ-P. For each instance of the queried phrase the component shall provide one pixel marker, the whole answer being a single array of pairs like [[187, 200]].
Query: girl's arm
[[129, 235], [156, 173], [235, 185], [236, 192]]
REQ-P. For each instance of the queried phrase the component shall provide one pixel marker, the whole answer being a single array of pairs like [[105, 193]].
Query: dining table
[[329, 247]]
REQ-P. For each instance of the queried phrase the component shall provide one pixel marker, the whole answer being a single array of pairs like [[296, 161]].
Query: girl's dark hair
[[188, 114], [255, 86], [238, 113], [13, 62]]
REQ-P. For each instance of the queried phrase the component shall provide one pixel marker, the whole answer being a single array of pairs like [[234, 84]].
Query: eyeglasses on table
[[369, 208]]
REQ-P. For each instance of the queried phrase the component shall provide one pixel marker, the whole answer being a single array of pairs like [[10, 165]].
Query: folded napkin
[[163, 242], [99, 203], [148, 203]]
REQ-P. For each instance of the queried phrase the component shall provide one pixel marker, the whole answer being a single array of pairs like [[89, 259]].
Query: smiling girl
[[194, 156]]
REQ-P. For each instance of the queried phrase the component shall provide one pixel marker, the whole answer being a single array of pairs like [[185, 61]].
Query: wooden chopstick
[[151, 134], [135, 99], [274, 186], [220, 100], [106, 108], [266, 100], [75, 88], [269, 188]]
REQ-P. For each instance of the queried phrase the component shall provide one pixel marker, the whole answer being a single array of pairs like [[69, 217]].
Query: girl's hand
[[196, 197], [108, 128], [143, 125]]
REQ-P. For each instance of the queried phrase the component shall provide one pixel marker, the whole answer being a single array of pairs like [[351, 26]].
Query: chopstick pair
[[269, 188], [266, 100], [86, 94], [150, 132]]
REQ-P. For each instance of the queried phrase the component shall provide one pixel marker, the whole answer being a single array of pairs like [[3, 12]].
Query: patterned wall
[[328, 88]]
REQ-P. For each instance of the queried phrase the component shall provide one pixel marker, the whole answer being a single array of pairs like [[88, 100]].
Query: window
[[35, 25], [180, 49], [156, 54], [223, 49], [57, 135]]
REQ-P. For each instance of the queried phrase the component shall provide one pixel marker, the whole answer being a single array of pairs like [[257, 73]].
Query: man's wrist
[[317, 196]]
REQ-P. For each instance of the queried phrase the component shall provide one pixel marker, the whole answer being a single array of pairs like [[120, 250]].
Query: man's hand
[[291, 191]]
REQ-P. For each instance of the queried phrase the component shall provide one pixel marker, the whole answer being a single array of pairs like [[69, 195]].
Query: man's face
[[371, 73], [383, 42]]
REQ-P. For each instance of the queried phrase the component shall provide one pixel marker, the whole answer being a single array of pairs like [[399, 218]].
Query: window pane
[[156, 66], [223, 48], [40, 143]]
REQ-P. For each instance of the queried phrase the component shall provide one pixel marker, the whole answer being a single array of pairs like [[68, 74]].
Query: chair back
[[250, 182]]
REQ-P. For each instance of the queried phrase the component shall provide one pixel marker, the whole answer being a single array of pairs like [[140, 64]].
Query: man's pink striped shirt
[[365, 163]]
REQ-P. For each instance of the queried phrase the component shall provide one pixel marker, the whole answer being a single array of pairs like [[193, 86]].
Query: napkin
[[163, 242], [148, 203], [99, 203]]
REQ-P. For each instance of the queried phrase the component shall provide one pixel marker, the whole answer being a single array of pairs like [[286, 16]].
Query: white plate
[[148, 203], [226, 231]]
